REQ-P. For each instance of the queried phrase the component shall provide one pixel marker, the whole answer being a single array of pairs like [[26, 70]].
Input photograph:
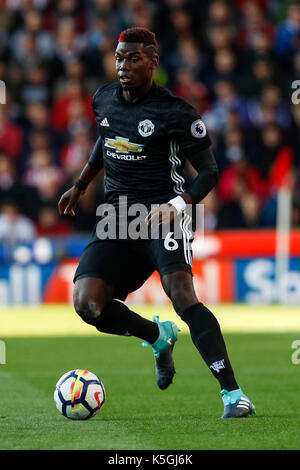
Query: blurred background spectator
[[15, 227], [234, 61]]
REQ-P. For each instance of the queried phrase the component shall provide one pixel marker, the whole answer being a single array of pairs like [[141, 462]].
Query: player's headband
[[145, 44]]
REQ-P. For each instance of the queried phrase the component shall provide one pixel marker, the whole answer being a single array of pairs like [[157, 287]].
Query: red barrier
[[245, 243], [213, 280], [213, 267]]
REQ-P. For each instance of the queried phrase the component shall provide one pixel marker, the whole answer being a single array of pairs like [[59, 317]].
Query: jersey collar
[[128, 103]]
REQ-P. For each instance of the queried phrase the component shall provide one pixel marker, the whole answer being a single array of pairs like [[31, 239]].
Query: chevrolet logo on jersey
[[122, 145]]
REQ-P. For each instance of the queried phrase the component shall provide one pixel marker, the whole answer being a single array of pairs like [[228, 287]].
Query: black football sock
[[207, 337], [117, 319]]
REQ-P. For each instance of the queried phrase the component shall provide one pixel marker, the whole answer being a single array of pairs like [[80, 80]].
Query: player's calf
[[97, 308]]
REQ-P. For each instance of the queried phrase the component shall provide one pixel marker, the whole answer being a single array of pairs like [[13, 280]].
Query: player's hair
[[143, 35]]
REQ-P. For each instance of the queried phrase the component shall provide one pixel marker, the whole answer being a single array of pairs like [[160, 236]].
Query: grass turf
[[137, 415]]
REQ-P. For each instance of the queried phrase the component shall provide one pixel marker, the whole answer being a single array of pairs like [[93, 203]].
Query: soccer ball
[[79, 394]]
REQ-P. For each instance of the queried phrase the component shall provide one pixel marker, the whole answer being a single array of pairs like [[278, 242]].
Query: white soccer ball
[[79, 394]]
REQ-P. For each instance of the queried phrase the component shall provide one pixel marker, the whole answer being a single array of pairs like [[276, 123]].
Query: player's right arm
[[69, 200]]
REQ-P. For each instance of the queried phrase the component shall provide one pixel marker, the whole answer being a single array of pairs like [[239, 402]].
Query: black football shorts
[[126, 264]]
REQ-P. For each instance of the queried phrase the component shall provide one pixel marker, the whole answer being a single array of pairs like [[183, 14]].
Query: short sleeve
[[190, 130], [96, 157], [97, 101]]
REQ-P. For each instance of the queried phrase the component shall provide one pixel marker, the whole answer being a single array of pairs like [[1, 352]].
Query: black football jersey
[[145, 144]]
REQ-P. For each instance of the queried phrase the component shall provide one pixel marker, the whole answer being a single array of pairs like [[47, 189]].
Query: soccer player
[[146, 135]]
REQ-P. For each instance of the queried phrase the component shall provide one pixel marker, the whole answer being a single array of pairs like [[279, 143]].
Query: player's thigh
[[172, 250], [121, 264]]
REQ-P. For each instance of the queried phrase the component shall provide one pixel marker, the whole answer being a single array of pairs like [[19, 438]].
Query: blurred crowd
[[235, 61]]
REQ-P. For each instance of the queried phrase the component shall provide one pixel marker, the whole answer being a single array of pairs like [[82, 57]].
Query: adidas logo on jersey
[[104, 122]]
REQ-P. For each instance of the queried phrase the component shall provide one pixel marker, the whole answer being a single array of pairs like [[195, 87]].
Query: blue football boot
[[163, 349], [236, 404]]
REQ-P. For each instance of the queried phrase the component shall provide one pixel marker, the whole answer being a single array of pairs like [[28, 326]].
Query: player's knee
[[87, 308], [179, 288], [182, 300], [90, 297]]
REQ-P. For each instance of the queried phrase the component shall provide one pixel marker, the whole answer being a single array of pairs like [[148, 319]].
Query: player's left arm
[[205, 164], [194, 143], [195, 146]]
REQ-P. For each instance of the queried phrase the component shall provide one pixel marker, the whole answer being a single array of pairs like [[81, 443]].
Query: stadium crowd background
[[235, 61]]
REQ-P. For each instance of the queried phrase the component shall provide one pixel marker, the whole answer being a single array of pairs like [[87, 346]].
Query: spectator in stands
[[225, 67], [68, 45], [49, 223], [254, 21], [261, 46], [211, 209], [260, 74], [31, 45], [182, 23], [15, 227], [227, 99], [11, 135], [219, 13], [239, 172], [193, 91], [287, 33], [234, 61], [37, 116], [73, 104], [38, 131], [270, 103], [7, 175], [76, 153], [43, 175], [272, 149], [271, 143], [36, 86], [72, 9]]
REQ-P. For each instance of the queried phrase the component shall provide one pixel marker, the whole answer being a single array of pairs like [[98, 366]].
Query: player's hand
[[161, 214], [69, 201]]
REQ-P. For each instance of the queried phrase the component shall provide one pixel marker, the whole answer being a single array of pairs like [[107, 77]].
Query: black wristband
[[81, 185]]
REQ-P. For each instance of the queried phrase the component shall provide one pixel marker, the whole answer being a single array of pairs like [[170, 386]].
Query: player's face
[[134, 67]]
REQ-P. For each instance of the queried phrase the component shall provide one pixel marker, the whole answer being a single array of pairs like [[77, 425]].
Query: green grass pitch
[[43, 343]]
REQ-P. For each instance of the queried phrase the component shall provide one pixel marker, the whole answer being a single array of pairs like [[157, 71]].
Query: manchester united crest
[[146, 128]]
